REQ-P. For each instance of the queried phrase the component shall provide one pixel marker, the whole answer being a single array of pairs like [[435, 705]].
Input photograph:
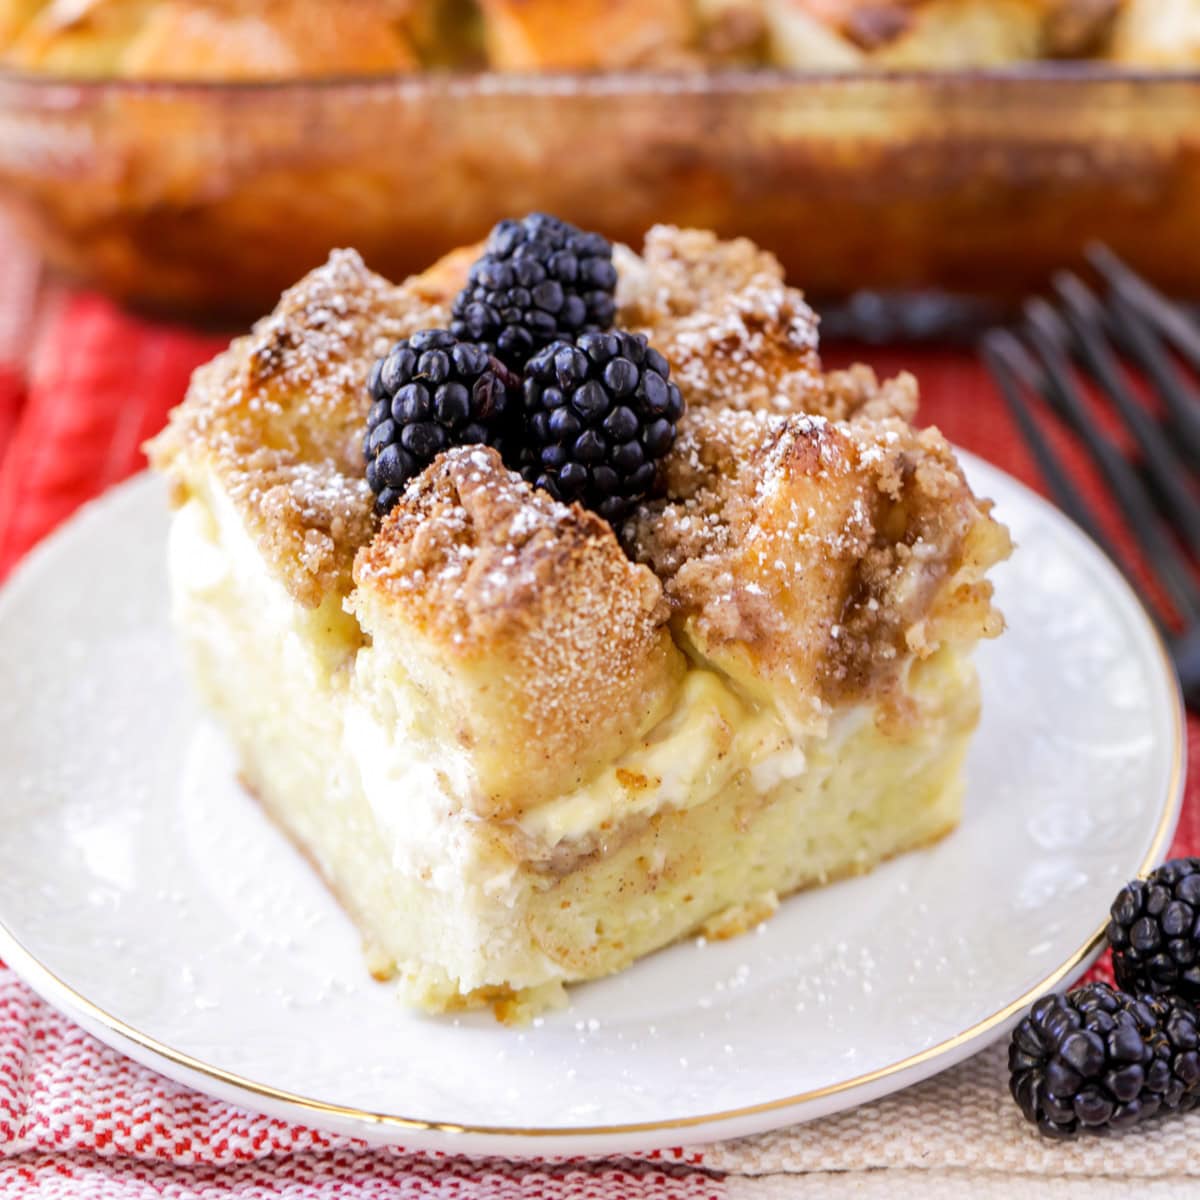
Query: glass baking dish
[[208, 199]]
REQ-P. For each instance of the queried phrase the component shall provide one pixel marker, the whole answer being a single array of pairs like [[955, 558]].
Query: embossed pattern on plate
[[144, 893]]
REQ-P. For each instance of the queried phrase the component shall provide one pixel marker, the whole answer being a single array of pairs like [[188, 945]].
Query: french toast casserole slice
[[523, 748]]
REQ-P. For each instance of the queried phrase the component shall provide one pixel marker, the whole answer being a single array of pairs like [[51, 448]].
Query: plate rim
[[129, 1040]]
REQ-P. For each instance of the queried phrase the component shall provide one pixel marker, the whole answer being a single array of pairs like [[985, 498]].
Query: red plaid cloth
[[80, 389]]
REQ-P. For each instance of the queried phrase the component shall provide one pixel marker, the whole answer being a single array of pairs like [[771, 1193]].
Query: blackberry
[[1097, 1058], [539, 279], [430, 392], [1154, 931], [600, 412]]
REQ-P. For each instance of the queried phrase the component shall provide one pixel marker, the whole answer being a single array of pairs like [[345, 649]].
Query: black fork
[[1102, 335]]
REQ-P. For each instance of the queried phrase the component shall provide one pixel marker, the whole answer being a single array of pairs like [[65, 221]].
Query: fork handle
[[1185, 653]]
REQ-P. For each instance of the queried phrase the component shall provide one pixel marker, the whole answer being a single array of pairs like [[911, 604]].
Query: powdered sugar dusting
[[494, 572], [279, 418], [796, 501], [814, 546], [459, 541], [735, 334]]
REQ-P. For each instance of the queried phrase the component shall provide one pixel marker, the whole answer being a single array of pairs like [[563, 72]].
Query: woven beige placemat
[[954, 1185], [964, 1124]]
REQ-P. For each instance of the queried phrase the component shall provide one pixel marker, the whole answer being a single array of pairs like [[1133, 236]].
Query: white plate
[[143, 893]]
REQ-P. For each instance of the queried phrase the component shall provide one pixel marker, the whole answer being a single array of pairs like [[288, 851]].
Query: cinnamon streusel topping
[[473, 551], [805, 555], [529, 614], [278, 417], [808, 543], [734, 333]]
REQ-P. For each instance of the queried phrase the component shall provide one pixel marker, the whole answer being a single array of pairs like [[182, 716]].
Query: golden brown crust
[[1082, 28], [858, 34], [810, 541], [855, 393], [473, 555], [285, 39], [225, 39], [527, 35], [734, 333], [533, 610], [279, 416], [805, 558], [278, 419], [731, 31]]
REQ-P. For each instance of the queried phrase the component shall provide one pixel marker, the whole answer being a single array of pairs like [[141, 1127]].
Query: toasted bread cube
[[522, 626]]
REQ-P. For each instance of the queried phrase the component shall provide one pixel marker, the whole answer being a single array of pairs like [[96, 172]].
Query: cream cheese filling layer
[[209, 548], [416, 779]]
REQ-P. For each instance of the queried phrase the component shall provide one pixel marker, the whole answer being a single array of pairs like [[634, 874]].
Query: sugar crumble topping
[[807, 550], [278, 417], [734, 332], [469, 545], [806, 532], [472, 550], [498, 574]]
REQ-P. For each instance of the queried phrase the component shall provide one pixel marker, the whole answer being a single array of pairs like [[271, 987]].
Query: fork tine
[[1142, 343], [1185, 652], [1087, 318], [1015, 373], [1167, 316], [1050, 338]]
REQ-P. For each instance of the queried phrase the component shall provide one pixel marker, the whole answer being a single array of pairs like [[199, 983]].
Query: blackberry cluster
[[1097, 1058], [599, 408], [539, 279], [600, 412], [432, 391], [1154, 932]]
